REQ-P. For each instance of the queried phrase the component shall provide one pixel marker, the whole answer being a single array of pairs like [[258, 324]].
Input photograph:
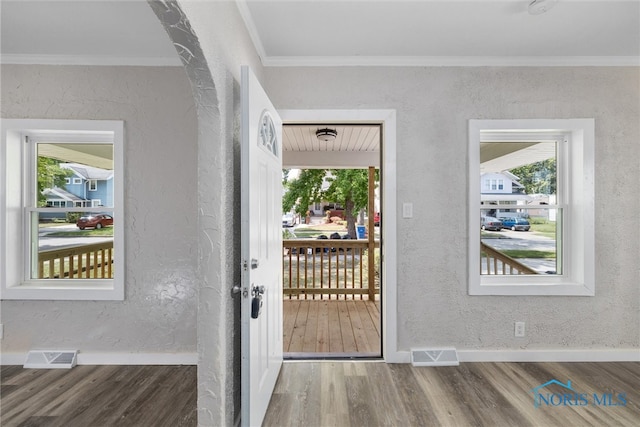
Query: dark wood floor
[[330, 393], [472, 394], [99, 396], [332, 327]]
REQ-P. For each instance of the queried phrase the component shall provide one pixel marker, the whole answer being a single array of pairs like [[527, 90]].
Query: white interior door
[[261, 249]]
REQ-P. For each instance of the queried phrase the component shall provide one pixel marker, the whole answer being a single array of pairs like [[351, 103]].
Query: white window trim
[[93, 185], [77, 181], [13, 285], [578, 273]]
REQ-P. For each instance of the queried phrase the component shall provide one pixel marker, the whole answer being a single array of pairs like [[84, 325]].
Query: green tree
[[348, 187], [537, 178], [50, 175], [302, 191]]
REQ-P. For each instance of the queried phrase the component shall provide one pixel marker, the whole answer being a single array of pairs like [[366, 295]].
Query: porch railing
[[329, 269], [499, 263], [94, 261]]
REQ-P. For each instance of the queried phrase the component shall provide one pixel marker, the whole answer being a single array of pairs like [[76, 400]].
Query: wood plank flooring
[[334, 327], [333, 393], [327, 393], [99, 396]]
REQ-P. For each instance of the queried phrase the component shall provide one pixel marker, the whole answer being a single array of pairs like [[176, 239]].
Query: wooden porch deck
[[325, 328]]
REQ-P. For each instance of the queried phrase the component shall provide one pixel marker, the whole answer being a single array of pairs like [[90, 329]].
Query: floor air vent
[[434, 357], [54, 359]]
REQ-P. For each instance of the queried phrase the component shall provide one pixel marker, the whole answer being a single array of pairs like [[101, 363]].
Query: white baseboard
[[116, 358], [586, 355], [398, 357], [583, 355]]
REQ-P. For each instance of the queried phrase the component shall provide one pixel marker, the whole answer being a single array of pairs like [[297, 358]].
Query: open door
[[261, 249]]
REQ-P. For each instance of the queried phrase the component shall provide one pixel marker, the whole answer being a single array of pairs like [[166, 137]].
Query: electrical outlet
[[519, 329]]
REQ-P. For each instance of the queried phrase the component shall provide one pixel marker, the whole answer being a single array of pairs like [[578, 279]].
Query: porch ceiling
[[502, 156], [356, 146], [96, 155]]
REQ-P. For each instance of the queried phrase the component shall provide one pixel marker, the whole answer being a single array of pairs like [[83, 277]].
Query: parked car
[[376, 219], [514, 223], [288, 220], [490, 223], [94, 221]]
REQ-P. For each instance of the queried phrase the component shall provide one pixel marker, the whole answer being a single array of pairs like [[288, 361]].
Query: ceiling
[[87, 32], [345, 32], [452, 32], [337, 33]]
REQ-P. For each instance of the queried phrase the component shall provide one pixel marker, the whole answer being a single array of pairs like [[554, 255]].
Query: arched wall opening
[[218, 312]]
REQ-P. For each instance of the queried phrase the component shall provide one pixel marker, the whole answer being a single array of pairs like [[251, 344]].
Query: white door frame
[[387, 118]]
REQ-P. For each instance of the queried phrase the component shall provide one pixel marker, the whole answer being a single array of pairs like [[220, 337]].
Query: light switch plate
[[407, 210]]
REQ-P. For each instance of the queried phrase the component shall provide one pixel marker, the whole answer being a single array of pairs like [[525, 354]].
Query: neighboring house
[[90, 183], [60, 198], [88, 186], [500, 183], [501, 188]]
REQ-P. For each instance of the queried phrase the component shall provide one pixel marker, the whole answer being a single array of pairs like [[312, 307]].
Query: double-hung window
[[536, 239], [57, 239]]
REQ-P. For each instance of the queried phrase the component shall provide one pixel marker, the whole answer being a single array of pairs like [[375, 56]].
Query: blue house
[[87, 187]]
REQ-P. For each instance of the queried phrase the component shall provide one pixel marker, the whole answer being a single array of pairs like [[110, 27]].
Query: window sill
[[70, 290]]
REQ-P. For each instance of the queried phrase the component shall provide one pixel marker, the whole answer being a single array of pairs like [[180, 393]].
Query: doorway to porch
[[332, 264]]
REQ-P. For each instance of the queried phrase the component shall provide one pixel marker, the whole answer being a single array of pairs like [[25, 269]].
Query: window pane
[[520, 233], [67, 245], [527, 242], [66, 172]]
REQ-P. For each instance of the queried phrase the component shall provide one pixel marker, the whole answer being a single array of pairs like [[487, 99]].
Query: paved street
[[46, 243]]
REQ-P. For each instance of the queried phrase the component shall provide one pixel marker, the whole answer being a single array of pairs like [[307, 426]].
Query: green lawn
[[315, 231], [102, 232], [543, 227], [528, 253]]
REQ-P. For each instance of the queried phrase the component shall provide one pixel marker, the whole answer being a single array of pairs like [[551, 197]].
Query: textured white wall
[[214, 44], [158, 314], [433, 106]]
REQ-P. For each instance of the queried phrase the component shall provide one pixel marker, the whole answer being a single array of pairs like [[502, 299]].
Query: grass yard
[[316, 230], [543, 227], [529, 253], [93, 232]]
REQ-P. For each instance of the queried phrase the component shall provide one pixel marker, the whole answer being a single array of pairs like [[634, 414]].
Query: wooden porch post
[[371, 234]]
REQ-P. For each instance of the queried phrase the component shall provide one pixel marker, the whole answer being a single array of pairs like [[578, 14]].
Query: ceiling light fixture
[[538, 7], [326, 135]]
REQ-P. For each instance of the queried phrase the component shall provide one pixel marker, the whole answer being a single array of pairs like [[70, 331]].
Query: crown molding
[[132, 61], [451, 61], [247, 17], [340, 61]]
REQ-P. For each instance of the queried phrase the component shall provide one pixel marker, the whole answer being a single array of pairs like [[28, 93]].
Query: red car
[[94, 221]]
